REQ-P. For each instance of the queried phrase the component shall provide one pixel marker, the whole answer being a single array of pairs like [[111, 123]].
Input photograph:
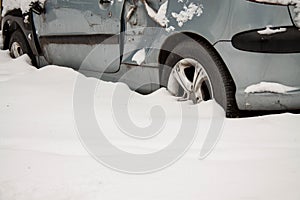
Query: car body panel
[[139, 30], [221, 20], [262, 67], [79, 34]]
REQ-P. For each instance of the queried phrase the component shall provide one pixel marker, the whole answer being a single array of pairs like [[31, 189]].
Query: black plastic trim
[[80, 39], [284, 42], [268, 3], [17, 21]]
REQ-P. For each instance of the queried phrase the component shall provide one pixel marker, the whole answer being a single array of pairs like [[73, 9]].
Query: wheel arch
[[172, 41], [14, 20], [10, 24]]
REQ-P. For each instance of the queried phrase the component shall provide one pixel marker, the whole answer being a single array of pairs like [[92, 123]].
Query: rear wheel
[[194, 72], [18, 45]]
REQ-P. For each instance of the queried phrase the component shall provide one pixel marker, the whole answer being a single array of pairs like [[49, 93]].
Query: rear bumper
[[268, 101]]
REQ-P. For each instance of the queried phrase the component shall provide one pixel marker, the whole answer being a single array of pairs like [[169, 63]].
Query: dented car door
[[81, 34], [140, 27]]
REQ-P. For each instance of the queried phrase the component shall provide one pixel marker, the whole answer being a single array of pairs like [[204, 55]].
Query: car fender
[[15, 20]]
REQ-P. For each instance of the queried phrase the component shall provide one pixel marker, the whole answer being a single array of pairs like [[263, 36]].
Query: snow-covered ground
[[24, 5], [41, 155]]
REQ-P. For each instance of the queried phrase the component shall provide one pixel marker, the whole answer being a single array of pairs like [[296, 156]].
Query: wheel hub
[[197, 90], [16, 50]]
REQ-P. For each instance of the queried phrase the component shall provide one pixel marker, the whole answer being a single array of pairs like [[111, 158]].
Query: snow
[[24, 5], [170, 28], [26, 19], [14, 68], [160, 15], [269, 87], [42, 156], [297, 14], [270, 31], [182, 17], [187, 13], [139, 56]]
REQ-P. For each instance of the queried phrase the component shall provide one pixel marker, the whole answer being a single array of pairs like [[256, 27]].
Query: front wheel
[[194, 72], [18, 45]]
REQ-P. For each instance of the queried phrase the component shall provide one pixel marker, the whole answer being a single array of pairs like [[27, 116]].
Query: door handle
[[105, 1], [104, 4]]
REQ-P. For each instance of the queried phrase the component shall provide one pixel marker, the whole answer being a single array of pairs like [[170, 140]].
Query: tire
[[18, 46], [221, 85]]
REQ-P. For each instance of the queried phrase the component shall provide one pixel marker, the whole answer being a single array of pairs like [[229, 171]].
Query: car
[[199, 50]]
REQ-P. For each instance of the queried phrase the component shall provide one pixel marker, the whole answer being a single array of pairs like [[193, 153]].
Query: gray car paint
[[80, 18]]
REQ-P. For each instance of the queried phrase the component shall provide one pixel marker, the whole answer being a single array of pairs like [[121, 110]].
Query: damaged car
[[245, 54]]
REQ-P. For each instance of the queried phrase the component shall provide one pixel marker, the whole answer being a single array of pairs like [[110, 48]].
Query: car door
[[82, 34]]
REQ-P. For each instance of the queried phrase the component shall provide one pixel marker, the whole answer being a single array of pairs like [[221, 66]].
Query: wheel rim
[[16, 50], [189, 75]]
